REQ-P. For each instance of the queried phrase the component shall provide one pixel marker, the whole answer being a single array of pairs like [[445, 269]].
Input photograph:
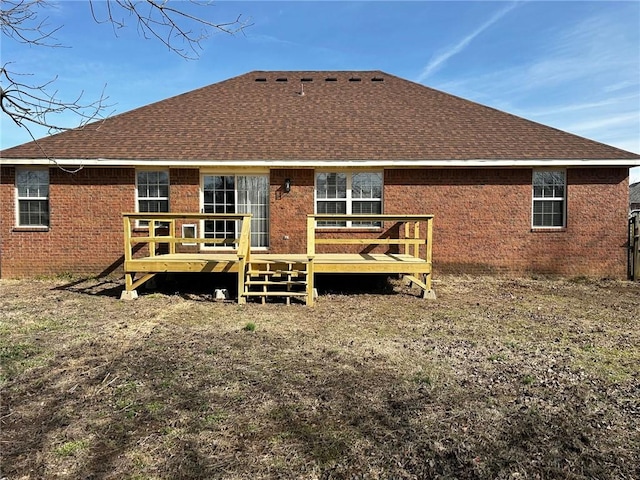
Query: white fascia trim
[[101, 162]]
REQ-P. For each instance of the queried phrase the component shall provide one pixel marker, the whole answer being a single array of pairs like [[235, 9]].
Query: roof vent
[[282, 79], [331, 79], [377, 79], [306, 79], [261, 79], [355, 79]]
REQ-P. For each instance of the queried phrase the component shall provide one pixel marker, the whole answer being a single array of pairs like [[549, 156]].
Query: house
[[634, 197], [508, 195]]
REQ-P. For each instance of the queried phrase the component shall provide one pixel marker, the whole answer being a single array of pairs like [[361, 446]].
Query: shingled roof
[[315, 116]]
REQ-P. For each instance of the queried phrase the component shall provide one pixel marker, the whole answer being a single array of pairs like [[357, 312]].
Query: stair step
[[255, 273], [277, 261], [267, 282]]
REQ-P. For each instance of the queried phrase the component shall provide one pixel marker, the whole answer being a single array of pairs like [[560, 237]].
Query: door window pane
[[237, 194]]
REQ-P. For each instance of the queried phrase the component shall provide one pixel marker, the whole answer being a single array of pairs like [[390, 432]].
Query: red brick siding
[[483, 220], [7, 212], [482, 224], [288, 211], [184, 196], [85, 231]]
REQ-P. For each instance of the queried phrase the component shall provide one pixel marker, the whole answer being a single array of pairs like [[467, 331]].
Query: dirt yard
[[497, 378]]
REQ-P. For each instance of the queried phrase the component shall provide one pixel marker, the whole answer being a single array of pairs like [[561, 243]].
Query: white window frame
[[236, 175], [20, 198], [562, 199], [144, 223], [349, 198]]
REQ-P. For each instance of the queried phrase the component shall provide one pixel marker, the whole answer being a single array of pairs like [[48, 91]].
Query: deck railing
[[413, 236], [407, 238], [162, 230], [410, 237]]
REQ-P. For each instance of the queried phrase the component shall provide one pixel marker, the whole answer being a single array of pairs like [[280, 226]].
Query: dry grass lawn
[[497, 378]]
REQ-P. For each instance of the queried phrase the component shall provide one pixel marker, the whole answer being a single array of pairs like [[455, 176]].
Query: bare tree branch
[[36, 104], [33, 104], [156, 19], [19, 21], [168, 24]]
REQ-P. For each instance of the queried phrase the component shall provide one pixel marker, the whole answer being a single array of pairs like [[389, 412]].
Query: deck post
[[407, 235], [172, 235], [242, 268], [152, 234], [129, 293], [311, 289], [311, 253], [244, 256], [127, 238], [429, 253], [311, 236], [635, 241]]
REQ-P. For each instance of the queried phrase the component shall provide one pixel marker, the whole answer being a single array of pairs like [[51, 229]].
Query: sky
[[571, 65]]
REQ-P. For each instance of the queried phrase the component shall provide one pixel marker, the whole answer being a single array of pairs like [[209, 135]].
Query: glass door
[[236, 194]]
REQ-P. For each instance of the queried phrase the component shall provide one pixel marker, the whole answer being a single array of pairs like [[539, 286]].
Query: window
[[349, 193], [33, 197], [237, 194], [549, 198], [153, 192]]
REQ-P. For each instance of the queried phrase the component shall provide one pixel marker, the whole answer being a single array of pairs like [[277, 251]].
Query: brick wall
[[85, 231], [482, 219], [184, 196], [288, 211]]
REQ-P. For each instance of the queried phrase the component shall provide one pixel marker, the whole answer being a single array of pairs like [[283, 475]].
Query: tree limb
[[34, 104], [156, 19], [19, 21]]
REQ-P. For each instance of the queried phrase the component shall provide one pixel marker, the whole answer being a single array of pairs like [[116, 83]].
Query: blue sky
[[571, 65]]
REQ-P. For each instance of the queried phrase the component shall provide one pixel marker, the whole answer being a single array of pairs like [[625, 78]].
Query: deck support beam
[[130, 293], [142, 280], [311, 290], [427, 291]]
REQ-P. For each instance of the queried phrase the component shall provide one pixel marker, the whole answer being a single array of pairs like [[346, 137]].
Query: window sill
[[548, 229], [30, 229]]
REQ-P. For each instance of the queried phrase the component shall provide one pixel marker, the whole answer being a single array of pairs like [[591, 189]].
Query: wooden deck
[[262, 274]]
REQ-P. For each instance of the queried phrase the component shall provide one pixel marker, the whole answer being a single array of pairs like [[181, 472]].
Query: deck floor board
[[323, 262]]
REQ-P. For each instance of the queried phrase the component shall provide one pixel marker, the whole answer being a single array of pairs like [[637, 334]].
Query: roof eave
[[451, 163]]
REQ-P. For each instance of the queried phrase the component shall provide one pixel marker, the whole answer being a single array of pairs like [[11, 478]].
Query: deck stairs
[[276, 278]]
